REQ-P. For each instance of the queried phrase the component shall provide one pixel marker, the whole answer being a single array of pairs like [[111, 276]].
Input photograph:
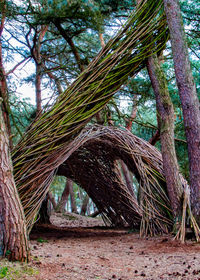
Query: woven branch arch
[[93, 165], [54, 135]]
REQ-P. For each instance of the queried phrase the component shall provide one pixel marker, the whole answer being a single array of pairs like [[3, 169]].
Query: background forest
[[44, 47], [46, 44]]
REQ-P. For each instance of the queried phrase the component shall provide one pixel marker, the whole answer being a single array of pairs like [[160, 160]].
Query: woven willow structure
[[46, 144], [93, 165]]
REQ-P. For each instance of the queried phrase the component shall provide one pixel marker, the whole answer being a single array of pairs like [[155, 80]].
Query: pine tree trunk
[[62, 203], [52, 200], [166, 123], [54, 78], [133, 115], [13, 235], [72, 199], [127, 176], [3, 84], [38, 89], [84, 205], [155, 138], [69, 40], [44, 215], [188, 96], [102, 40], [125, 170], [36, 53]]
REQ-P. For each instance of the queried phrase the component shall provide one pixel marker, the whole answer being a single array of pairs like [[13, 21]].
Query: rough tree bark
[[165, 113], [3, 84], [36, 54], [38, 89], [188, 96], [13, 235], [127, 175], [102, 40], [130, 120], [62, 203], [52, 200], [73, 200], [166, 122], [38, 62], [128, 178], [84, 205], [44, 213]]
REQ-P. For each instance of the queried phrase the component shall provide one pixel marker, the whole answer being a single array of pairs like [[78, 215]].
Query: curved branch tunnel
[[92, 165]]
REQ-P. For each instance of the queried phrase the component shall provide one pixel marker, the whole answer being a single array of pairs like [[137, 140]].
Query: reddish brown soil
[[100, 253]]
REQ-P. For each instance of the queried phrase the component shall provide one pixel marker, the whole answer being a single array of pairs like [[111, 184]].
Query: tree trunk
[[72, 199], [129, 122], [102, 40], [166, 123], [125, 171], [3, 84], [69, 40], [36, 54], [84, 205], [96, 213], [155, 138], [62, 203], [53, 77], [52, 200], [127, 176], [44, 215], [13, 235], [188, 96], [38, 89]]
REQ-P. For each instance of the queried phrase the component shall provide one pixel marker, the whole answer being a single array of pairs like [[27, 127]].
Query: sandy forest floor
[[84, 253]]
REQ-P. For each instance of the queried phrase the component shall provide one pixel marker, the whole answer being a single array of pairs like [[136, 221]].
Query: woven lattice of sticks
[[94, 165]]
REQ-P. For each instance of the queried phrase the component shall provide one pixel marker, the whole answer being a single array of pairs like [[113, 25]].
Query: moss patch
[[70, 217], [16, 270]]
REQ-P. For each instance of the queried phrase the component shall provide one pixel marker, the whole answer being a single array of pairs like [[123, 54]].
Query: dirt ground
[[70, 249], [84, 253]]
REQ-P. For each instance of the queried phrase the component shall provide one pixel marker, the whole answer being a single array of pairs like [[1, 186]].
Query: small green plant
[[3, 272], [29, 270], [132, 230], [16, 270], [35, 258], [70, 217], [8, 252], [40, 240]]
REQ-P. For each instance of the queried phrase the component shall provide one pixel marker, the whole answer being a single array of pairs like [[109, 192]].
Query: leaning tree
[[188, 96], [49, 136]]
